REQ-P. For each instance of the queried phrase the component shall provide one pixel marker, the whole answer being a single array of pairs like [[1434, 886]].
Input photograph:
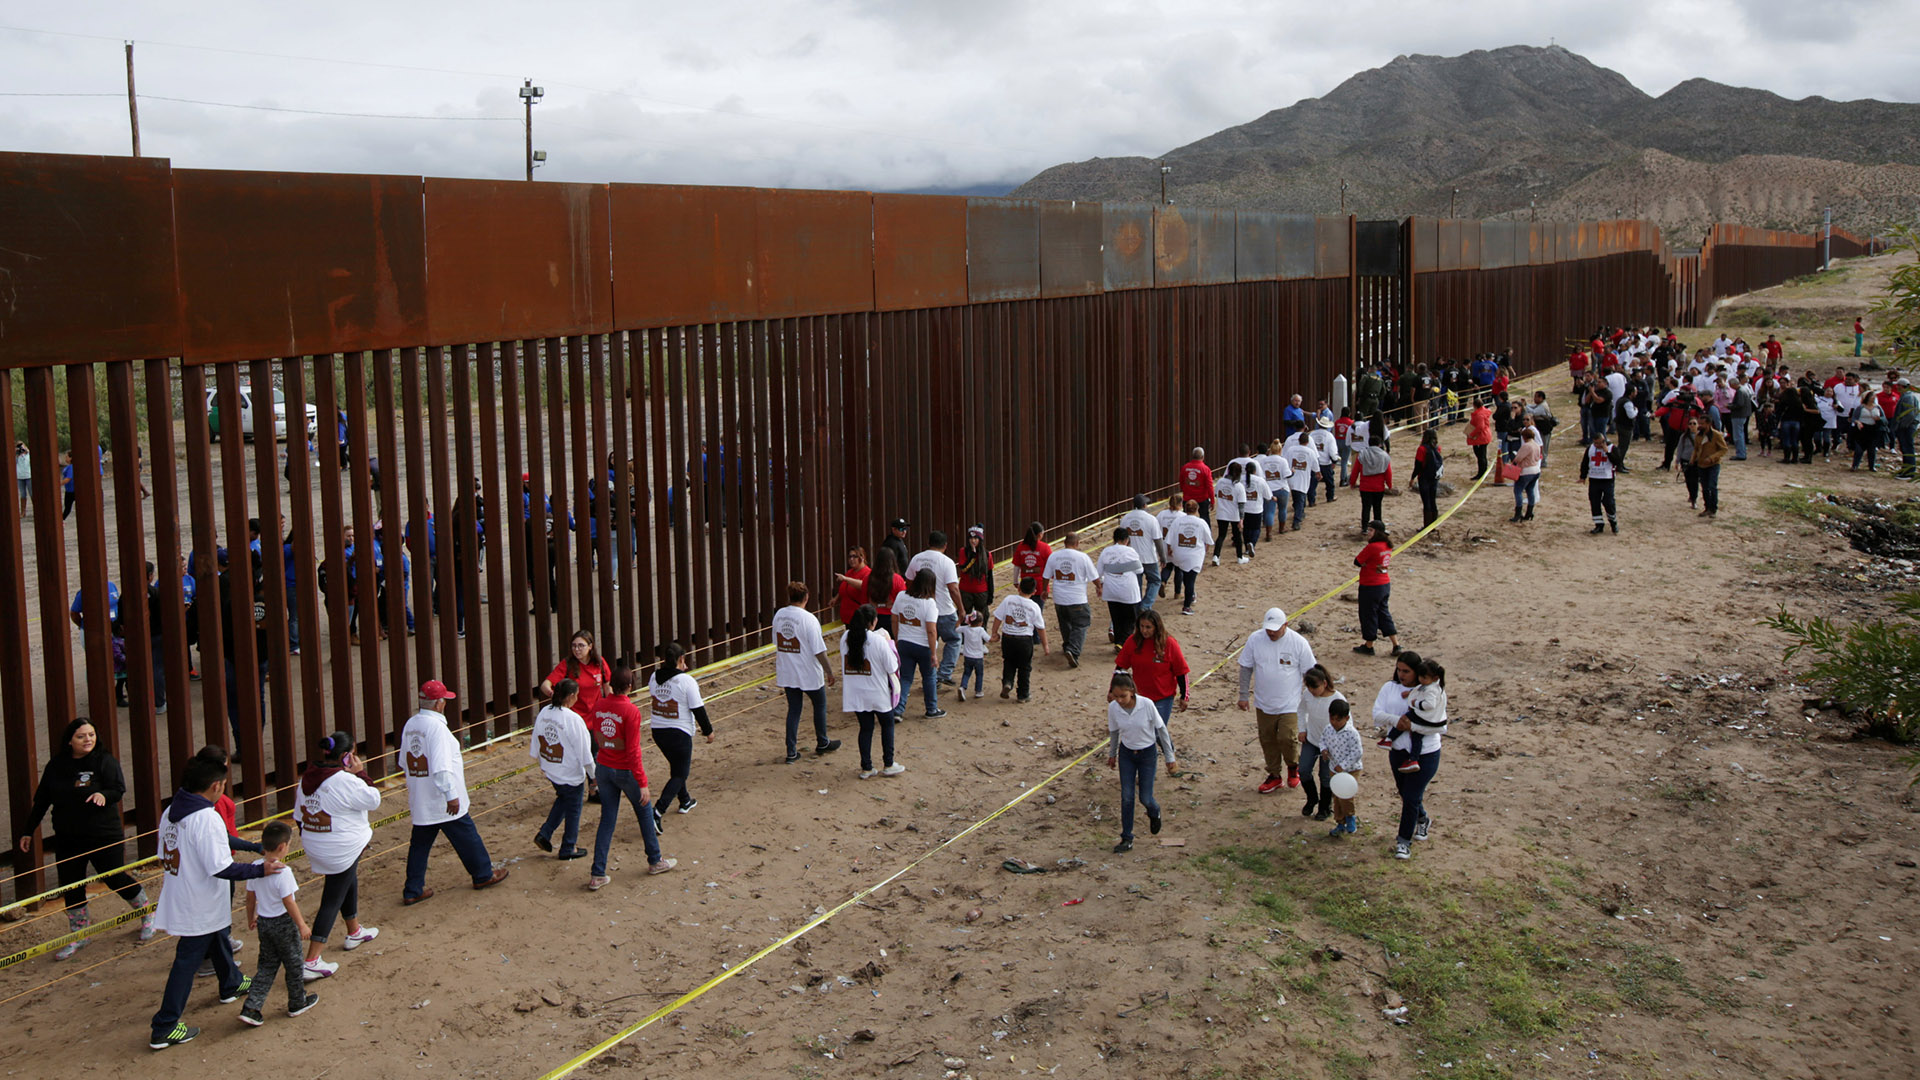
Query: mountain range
[[1522, 130]]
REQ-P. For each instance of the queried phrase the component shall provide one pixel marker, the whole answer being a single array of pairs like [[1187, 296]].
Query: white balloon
[[1344, 785]]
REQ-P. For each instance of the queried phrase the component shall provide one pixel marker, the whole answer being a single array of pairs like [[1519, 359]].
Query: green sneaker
[[181, 1033], [228, 997]]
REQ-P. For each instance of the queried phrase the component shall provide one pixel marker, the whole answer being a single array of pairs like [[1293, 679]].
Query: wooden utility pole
[[133, 103]]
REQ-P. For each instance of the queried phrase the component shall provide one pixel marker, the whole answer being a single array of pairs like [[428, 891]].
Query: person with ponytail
[[870, 690], [1030, 557], [332, 810], [883, 584], [618, 770], [677, 707]]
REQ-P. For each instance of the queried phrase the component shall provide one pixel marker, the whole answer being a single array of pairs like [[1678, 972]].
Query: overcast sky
[[875, 94]]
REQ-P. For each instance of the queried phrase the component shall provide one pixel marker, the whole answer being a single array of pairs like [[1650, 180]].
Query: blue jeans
[[1150, 586], [949, 634], [1790, 437], [915, 657], [1326, 477], [1528, 485], [567, 802], [1319, 795], [1737, 428], [819, 699], [975, 669], [1299, 508], [613, 784], [1270, 511], [188, 953], [1710, 488], [1136, 773], [1165, 706], [1413, 789], [466, 842]]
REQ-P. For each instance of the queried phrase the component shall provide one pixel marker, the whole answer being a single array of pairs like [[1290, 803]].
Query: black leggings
[[103, 853], [339, 897], [1370, 504], [1220, 540], [677, 745], [1480, 455]]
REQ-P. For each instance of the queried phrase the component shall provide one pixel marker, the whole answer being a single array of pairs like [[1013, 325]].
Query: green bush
[[1870, 666]]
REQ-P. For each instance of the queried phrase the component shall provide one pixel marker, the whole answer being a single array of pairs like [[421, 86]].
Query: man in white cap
[[1271, 666], [437, 797]]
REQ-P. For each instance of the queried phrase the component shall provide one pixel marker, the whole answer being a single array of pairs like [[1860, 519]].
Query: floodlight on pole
[[530, 94], [1164, 170]]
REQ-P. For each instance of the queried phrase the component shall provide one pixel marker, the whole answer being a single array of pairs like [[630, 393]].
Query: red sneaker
[[1271, 785], [1293, 776]]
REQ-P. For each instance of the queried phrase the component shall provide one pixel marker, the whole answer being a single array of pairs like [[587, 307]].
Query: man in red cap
[[437, 796]]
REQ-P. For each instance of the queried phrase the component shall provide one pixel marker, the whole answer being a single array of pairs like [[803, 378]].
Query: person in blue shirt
[[66, 477], [1293, 418], [1484, 369], [113, 609], [340, 435]]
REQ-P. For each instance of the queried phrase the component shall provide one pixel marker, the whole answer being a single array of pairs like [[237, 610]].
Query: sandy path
[[1583, 804]]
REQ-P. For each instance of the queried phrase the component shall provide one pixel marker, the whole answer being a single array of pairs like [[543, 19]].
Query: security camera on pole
[[530, 94]]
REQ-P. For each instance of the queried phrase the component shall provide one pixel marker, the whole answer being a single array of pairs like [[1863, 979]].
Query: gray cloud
[[863, 93]]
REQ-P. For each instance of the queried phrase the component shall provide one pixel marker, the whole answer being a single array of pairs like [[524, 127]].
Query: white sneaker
[[1244, 560], [894, 769], [366, 934], [1216, 560], [868, 774], [317, 969]]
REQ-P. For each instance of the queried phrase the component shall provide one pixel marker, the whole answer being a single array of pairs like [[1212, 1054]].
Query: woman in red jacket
[[853, 584], [1159, 667], [1479, 434], [1375, 587]]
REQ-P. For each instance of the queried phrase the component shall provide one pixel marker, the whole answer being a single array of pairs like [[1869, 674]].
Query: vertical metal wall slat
[[407, 535], [143, 762], [621, 488], [90, 529], [241, 596], [208, 599], [527, 562], [367, 616], [403, 689], [462, 542], [569, 520], [286, 749], [304, 600], [440, 597], [333, 524], [503, 534], [21, 740]]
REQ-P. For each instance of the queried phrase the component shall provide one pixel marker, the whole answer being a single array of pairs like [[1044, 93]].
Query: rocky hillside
[[1520, 125]]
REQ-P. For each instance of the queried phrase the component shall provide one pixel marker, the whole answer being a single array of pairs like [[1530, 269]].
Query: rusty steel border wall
[[755, 380]]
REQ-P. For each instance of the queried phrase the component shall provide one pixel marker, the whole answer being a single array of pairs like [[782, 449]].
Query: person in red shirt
[[1577, 364], [1839, 376], [1196, 483], [1771, 347], [853, 584], [586, 667], [1859, 336], [619, 771], [976, 574], [1159, 667], [1375, 587], [1030, 555]]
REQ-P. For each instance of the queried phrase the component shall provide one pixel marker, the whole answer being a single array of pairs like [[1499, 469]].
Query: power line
[[264, 55], [314, 112]]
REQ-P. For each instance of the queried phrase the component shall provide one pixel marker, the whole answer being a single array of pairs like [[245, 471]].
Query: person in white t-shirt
[[946, 597], [1071, 574], [1275, 471], [1188, 538], [915, 620], [1272, 665], [274, 915], [1319, 697], [1328, 449], [1252, 511], [973, 655], [194, 904], [1176, 506], [800, 668], [1228, 493], [437, 797], [331, 810], [869, 662], [1017, 623], [1143, 533], [564, 748], [1119, 583], [1304, 461]]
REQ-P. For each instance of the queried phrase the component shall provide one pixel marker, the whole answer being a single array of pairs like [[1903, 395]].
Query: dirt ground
[[1649, 859]]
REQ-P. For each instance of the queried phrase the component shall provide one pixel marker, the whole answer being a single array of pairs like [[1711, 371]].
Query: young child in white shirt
[[973, 654], [1343, 747], [274, 914], [1426, 715], [1136, 737]]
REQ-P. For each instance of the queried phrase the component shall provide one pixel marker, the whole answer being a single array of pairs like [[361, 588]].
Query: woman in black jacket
[[83, 786]]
